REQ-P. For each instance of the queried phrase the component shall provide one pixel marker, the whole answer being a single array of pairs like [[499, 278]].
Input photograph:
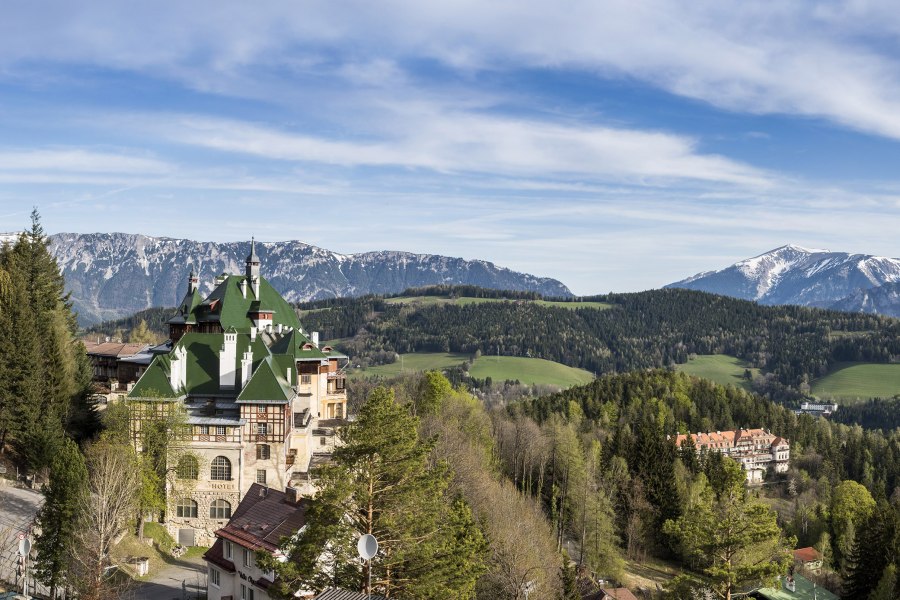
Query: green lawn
[[721, 368], [498, 368], [528, 370], [852, 381], [410, 363]]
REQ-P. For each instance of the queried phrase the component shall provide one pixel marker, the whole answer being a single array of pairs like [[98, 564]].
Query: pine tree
[[887, 585], [59, 516], [733, 539], [381, 483], [875, 547]]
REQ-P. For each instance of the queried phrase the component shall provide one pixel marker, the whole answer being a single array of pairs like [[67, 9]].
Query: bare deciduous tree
[[113, 484]]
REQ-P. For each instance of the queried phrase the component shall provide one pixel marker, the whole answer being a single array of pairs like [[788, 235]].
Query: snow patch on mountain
[[811, 277], [115, 274]]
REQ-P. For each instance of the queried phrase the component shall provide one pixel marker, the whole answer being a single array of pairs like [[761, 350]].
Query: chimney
[[228, 360], [243, 285], [246, 368], [292, 495], [278, 328], [314, 338], [178, 368], [287, 375], [253, 333], [255, 284]]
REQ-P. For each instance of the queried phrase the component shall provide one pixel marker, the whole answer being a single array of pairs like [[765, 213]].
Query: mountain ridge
[[792, 274], [114, 274]]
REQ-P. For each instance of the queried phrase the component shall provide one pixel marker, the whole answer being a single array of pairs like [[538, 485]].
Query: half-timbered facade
[[260, 400]]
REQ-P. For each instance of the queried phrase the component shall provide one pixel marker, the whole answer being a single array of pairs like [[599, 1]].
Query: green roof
[[187, 308], [805, 590], [154, 383], [265, 386], [227, 305]]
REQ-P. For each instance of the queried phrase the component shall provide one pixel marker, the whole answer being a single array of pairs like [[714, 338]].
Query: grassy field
[[428, 300], [851, 381], [498, 368], [528, 370], [721, 368]]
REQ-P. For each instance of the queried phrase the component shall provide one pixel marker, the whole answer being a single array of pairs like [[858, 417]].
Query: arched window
[[263, 451], [220, 469], [188, 467], [186, 508], [219, 509]]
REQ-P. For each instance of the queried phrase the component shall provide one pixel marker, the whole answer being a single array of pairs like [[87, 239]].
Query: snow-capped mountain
[[115, 274], [795, 275]]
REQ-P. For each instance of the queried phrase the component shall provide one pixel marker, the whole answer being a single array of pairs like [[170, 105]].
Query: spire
[[192, 281], [252, 271]]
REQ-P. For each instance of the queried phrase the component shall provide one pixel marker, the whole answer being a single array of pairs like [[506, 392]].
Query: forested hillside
[[660, 328]]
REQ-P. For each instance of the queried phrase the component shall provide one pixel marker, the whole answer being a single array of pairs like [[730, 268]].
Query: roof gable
[[265, 386], [154, 383]]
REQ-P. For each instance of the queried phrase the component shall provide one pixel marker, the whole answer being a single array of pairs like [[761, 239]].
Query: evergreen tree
[[59, 516], [734, 540], [877, 545], [887, 585], [381, 483]]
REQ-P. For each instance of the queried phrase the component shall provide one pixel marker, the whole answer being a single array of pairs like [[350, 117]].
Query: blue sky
[[612, 145]]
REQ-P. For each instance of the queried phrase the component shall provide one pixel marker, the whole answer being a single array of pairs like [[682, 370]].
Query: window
[[214, 577], [186, 508], [260, 408], [227, 549], [187, 467], [248, 558], [323, 441], [306, 379], [220, 469], [219, 509], [262, 428], [204, 430], [246, 593], [220, 430], [261, 476], [263, 452]]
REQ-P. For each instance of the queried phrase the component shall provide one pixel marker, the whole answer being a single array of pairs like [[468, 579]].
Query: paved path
[[18, 508], [166, 584]]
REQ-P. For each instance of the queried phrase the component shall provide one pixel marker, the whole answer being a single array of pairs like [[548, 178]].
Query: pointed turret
[[252, 261], [253, 268]]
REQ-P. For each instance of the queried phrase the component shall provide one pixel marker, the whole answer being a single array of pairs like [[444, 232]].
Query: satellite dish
[[25, 546], [367, 546]]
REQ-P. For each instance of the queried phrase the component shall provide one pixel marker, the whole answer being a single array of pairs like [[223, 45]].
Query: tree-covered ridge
[[659, 328], [154, 320]]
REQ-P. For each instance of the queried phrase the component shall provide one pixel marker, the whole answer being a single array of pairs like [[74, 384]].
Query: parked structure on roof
[[756, 450], [262, 399]]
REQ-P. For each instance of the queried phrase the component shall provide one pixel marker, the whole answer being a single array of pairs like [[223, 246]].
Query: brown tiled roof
[[216, 557], [807, 554], [618, 593], [726, 439], [116, 349], [262, 518]]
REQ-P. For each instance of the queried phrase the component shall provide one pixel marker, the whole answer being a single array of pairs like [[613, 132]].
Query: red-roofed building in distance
[[809, 559], [756, 450]]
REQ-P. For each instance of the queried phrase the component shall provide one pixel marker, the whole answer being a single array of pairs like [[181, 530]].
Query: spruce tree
[[58, 517], [887, 585], [381, 482]]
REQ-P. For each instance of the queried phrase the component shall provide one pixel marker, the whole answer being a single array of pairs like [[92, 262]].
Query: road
[[18, 508], [166, 584]]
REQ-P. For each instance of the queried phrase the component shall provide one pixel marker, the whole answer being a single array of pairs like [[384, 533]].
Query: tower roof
[[253, 258]]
